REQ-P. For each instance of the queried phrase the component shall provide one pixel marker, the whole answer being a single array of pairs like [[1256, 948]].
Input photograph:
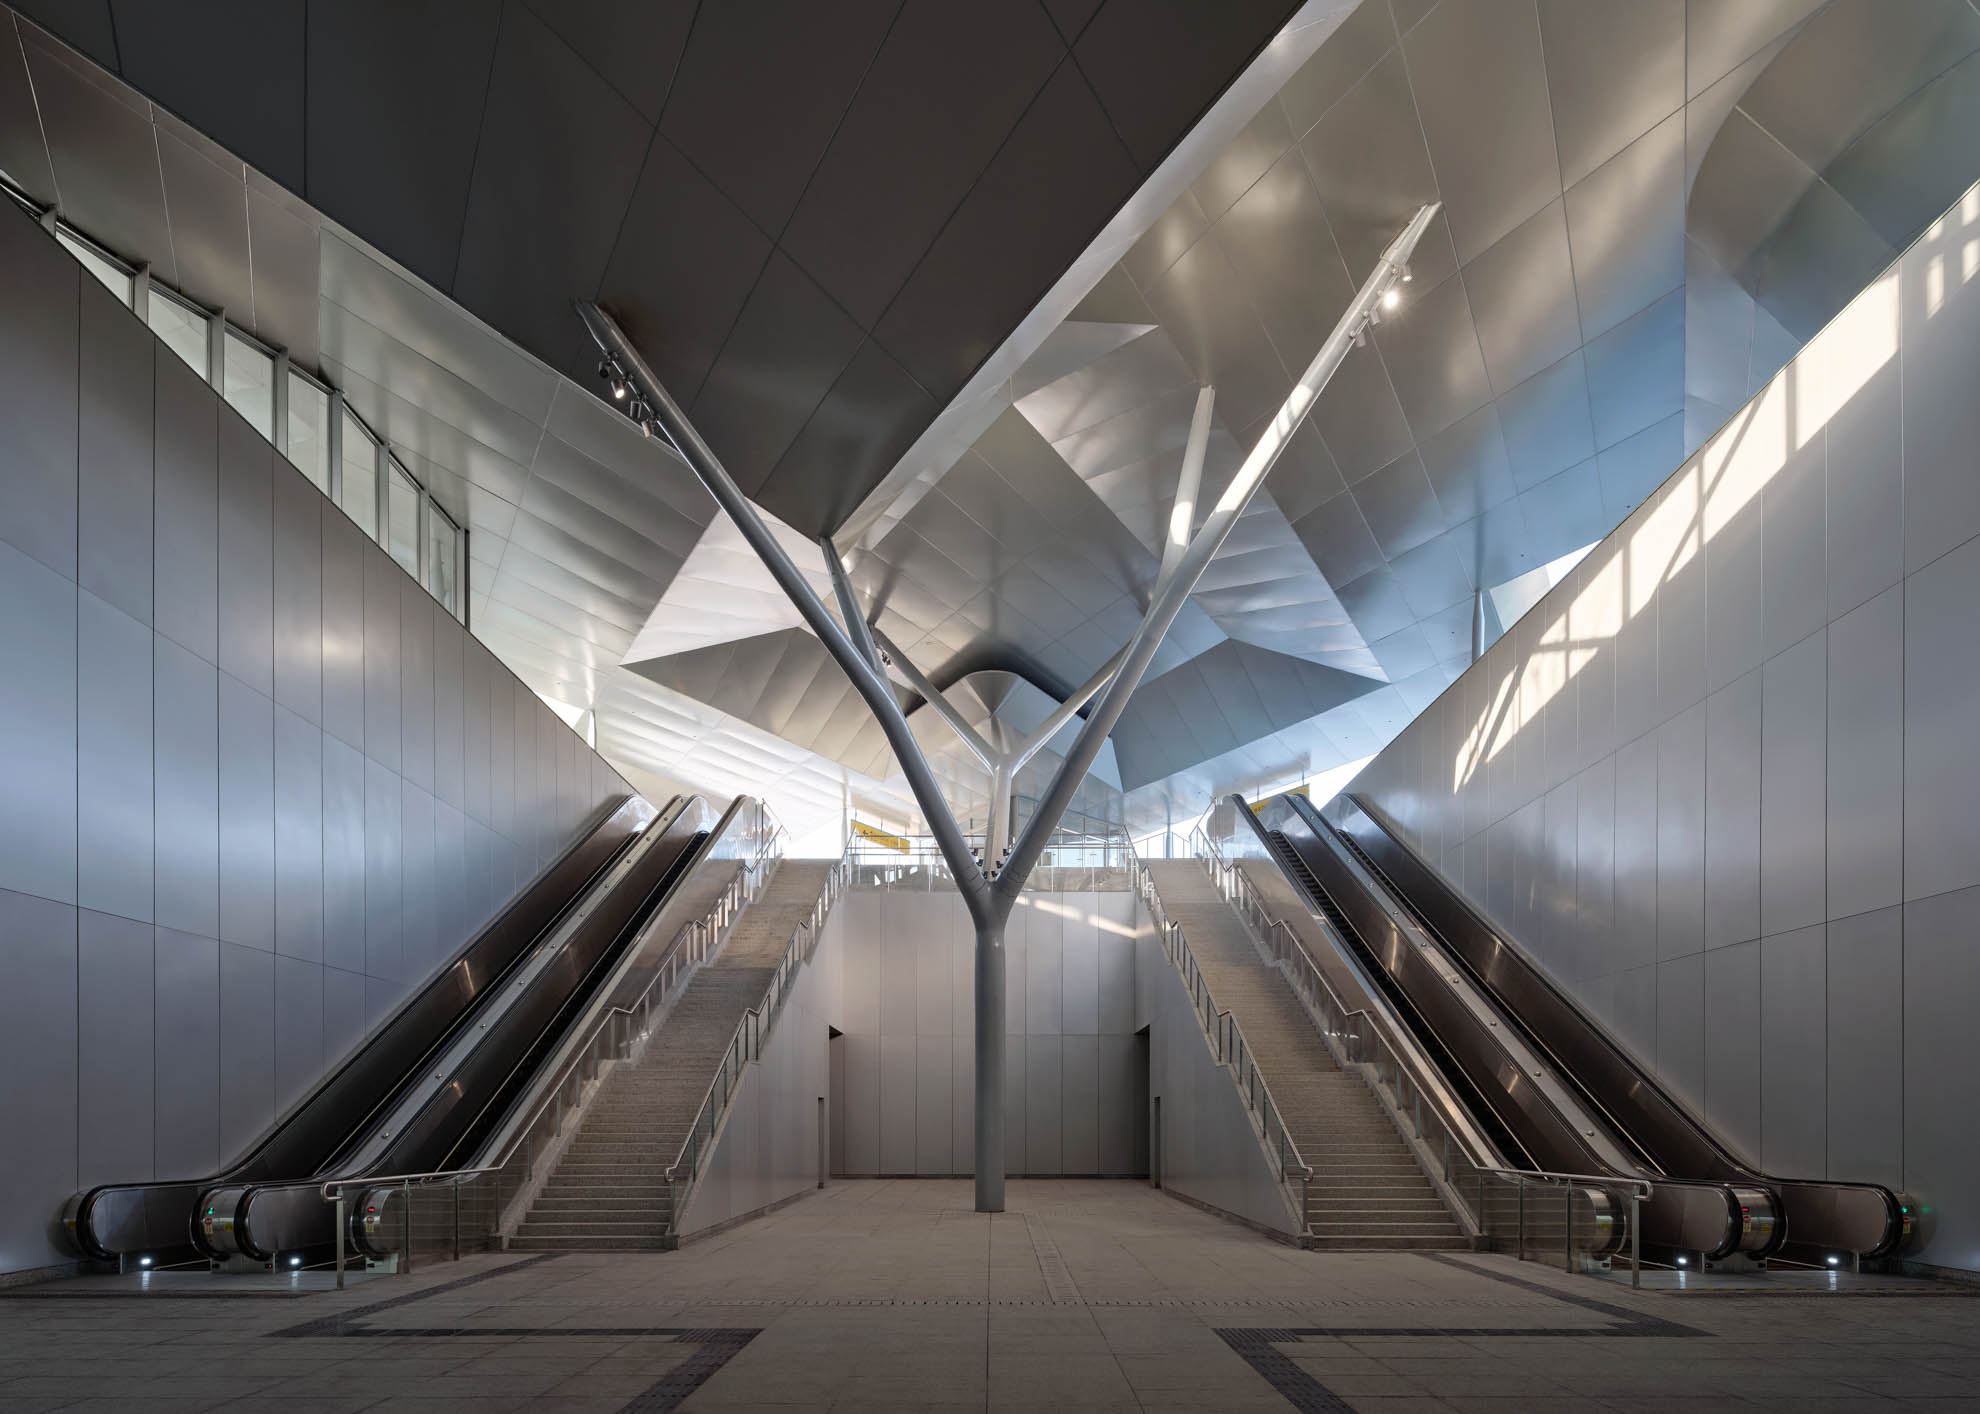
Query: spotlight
[[1684, 1261], [619, 390], [1406, 275], [1835, 1261], [295, 1261], [1390, 299], [144, 1261], [646, 430]]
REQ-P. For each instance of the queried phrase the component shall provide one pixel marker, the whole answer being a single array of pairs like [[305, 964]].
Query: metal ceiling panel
[[283, 246], [1522, 294], [945, 90], [1377, 604], [1481, 89], [174, 53], [1565, 512], [1163, 244], [1904, 171], [993, 258], [371, 80], [1068, 349], [1405, 653], [1358, 417], [1155, 65], [1720, 34], [1822, 256], [208, 209], [636, 48], [1339, 540], [23, 152], [104, 153], [1372, 169], [854, 436], [1615, 69], [678, 221], [1545, 421], [368, 287], [1304, 476], [1494, 546], [1132, 376], [1745, 188], [1277, 240], [1626, 225], [801, 65], [1401, 510], [555, 138], [403, 424], [1432, 578], [788, 347], [359, 347], [1244, 159], [1362, 41], [1430, 348], [1636, 371], [1467, 465], [1634, 467]]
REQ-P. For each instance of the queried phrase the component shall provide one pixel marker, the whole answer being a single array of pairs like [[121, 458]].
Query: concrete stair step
[[523, 1243], [573, 1228], [1330, 1243]]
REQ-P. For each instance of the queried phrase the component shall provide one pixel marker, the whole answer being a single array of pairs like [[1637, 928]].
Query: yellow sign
[[1258, 806], [880, 837]]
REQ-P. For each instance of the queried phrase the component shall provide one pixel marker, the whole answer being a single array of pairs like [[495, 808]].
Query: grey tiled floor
[[884, 1295]]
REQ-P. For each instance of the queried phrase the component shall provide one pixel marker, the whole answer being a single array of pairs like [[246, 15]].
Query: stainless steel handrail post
[[457, 1221], [1635, 1239], [405, 1267], [340, 1239], [1521, 1189], [1567, 1226]]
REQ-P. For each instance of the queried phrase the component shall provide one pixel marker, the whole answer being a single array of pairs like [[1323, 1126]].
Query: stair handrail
[[1356, 1038], [1399, 1086], [562, 1098], [746, 1044], [1227, 1042]]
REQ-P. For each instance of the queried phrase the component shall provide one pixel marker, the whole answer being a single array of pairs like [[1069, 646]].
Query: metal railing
[[618, 1033], [1228, 1045], [1492, 1199], [1073, 862], [746, 1044]]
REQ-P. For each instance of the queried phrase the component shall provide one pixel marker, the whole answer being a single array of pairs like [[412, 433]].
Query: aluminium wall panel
[[298, 1028], [1865, 824], [1793, 801], [247, 1045], [416, 608], [1941, 684], [40, 289], [113, 1048], [934, 1106], [383, 665], [186, 553], [299, 821], [186, 1022], [247, 815], [343, 857], [449, 711], [246, 624], [1865, 1092], [1732, 812], [38, 747], [419, 937], [1794, 997], [113, 473], [296, 532], [384, 956], [1732, 1045], [187, 752], [113, 761], [1079, 1104], [38, 1019], [343, 629]]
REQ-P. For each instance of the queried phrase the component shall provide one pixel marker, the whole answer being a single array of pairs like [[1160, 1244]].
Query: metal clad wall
[[1769, 900], [231, 729], [907, 1094]]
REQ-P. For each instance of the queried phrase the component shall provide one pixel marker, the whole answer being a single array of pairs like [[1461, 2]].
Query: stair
[[609, 1191], [1367, 1192]]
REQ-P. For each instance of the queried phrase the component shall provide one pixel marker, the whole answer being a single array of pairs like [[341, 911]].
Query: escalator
[[1825, 1223], [1514, 1087], [1451, 972], [540, 949]]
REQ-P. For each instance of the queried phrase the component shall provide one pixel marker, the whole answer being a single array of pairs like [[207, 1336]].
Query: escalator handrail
[[1424, 1077], [1736, 1169], [750, 876]]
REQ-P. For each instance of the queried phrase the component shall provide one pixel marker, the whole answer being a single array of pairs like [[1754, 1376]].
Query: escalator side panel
[[113, 1219], [291, 1217]]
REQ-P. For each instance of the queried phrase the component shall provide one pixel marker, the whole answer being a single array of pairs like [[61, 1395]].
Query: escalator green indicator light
[[209, 1212]]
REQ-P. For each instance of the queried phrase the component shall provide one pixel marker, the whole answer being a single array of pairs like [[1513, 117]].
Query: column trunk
[[990, 1066]]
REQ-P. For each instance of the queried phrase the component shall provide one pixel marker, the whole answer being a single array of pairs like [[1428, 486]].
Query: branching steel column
[[990, 902]]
